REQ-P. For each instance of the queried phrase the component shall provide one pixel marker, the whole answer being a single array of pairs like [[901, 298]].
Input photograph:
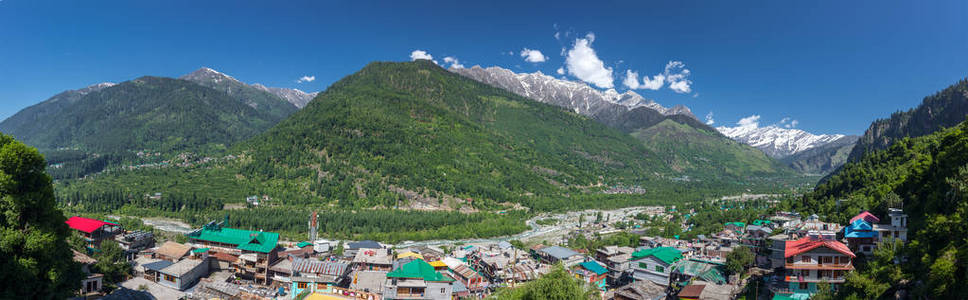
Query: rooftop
[[806, 244], [866, 216], [182, 267], [85, 224], [246, 240], [418, 269], [559, 252], [594, 267], [666, 254]]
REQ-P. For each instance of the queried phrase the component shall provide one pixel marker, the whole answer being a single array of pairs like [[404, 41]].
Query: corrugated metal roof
[[418, 269], [249, 240], [559, 252], [319, 267], [158, 265], [667, 254]]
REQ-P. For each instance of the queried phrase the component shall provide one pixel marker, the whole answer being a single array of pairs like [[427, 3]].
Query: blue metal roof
[[859, 229]]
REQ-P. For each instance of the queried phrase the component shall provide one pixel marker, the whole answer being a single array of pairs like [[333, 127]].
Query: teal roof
[[667, 254], [762, 222], [200, 250], [418, 269], [740, 224], [304, 244], [594, 267], [247, 240]]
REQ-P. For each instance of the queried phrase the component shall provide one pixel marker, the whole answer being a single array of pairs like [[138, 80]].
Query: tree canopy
[[36, 260]]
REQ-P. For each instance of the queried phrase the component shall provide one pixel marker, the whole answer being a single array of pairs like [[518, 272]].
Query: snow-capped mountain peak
[[577, 96], [295, 96], [776, 141], [206, 74]]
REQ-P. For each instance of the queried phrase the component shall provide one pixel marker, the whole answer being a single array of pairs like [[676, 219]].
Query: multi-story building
[[94, 231], [812, 260], [654, 264], [898, 227], [556, 254], [250, 253], [417, 280], [591, 273]]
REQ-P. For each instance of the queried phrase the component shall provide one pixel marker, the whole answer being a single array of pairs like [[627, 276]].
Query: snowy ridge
[[209, 75], [775, 141], [577, 96]]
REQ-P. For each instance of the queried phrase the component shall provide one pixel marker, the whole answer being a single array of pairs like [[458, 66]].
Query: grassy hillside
[[926, 175]]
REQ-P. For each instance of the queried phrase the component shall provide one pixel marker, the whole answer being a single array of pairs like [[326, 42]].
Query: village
[[781, 256]]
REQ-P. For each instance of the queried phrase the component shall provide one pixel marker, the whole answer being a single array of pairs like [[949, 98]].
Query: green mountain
[[823, 159], [154, 113], [928, 177], [944, 109], [701, 149], [417, 127], [259, 99]]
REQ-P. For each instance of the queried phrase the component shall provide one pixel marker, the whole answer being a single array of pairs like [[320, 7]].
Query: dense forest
[[946, 108], [928, 177]]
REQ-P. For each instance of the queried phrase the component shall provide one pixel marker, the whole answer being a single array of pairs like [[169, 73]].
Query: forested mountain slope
[[945, 109], [675, 135], [928, 176], [153, 113]]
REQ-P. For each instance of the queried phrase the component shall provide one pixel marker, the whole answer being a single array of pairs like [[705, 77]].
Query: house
[[92, 282], [764, 223], [738, 227], [700, 290], [439, 265], [255, 250], [616, 260], [134, 242], [368, 281], [654, 264], [556, 254], [860, 236], [687, 270], [417, 280], [354, 247], [317, 276], [409, 254], [898, 227], [172, 251], [180, 275], [468, 277], [591, 273], [813, 259], [777, 247], [372, 260], [639, 290], [94, 231]]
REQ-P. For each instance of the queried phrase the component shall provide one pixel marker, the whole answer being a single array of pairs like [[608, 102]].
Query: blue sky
[[834, 66]]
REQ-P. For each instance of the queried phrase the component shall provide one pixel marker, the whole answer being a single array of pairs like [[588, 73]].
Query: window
[[790, 260], [320, 286], [805, 259], [885, 234], [803, 285], [838, 273], [442, 291], [169, 278], [828, 259], [643, 265], [301, 285], [659, 268], [896, 234]]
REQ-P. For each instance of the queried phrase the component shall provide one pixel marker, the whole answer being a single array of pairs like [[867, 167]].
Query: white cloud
[[558, 36], [560, 71], [533, 56], [420, 54], [631, 79], [677, 77], [793, 124], [654, 83], [454, 63], [709, 119], [306, 78], [749, 122], [583, 63]]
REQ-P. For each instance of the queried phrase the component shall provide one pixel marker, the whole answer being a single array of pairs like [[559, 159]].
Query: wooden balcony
[[842, 267], [815, 279]]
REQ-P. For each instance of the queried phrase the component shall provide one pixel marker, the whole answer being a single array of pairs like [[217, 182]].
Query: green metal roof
[[200, 250], [304, 244], [762, 222], [667, 254], [418, 269], [740, 224], [594, 267], [248, 240]]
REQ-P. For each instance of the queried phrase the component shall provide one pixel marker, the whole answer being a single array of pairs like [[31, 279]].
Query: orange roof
[[807, 244]]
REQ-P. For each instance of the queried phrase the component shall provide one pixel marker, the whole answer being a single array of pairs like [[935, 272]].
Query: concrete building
[[812, 260], [654, 264], [417, 280]]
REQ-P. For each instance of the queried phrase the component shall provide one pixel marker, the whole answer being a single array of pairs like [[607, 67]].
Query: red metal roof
[[85, 224], [867, 216], [807, 244]]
